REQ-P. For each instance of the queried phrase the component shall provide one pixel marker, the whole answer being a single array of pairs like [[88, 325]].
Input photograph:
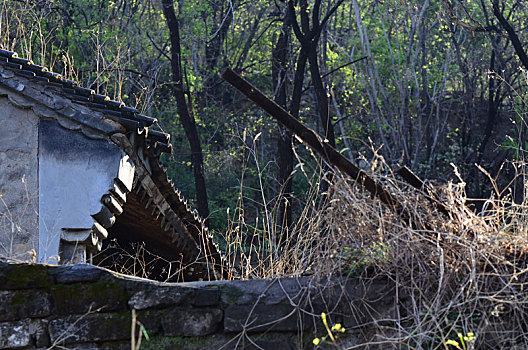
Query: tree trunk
[[187, 121], [512, 35], [492, 109], [284, 144], [213, 52], [321, 97]]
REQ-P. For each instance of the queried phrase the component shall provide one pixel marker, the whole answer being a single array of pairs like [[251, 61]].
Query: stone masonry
[[87, 307], [18, 181]]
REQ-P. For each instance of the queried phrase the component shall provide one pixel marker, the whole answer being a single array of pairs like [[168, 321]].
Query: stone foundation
[[86, 307]]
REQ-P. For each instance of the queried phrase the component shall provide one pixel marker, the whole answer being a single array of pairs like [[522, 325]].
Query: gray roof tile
[[117, 111]]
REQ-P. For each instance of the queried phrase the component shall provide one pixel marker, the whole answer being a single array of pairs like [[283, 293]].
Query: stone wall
[[18, 178], [86, 307]]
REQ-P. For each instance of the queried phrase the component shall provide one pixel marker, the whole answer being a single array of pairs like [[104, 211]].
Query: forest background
[[425, 83], [438, 86]]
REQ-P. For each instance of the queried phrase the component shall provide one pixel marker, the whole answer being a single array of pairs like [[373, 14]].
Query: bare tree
[[308, 36], [279, 71], [187, 121]]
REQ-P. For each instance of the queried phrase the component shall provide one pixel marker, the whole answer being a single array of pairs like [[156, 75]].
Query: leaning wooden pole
[[312, 139], [413, 180]]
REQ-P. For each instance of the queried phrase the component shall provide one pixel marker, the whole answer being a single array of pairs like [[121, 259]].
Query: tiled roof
[[127, 117]]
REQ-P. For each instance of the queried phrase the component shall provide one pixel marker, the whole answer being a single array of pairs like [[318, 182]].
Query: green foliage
[[420, 91], [464, 341], [360, 260], [332, 333]]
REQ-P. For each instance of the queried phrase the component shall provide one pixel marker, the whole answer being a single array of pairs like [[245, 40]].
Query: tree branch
[[295, 25], [517, 45]]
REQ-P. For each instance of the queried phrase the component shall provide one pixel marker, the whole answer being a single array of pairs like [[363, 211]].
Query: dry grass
[[458, 274], [462, 273], [135, 259]]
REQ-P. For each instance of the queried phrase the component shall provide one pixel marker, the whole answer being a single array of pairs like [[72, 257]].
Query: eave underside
[[143, 238]]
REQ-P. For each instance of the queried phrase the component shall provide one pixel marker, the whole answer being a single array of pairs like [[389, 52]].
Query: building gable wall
[[88, 116]]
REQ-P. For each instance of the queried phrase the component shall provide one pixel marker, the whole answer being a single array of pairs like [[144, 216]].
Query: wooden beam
[[413, 180], [311, 138]]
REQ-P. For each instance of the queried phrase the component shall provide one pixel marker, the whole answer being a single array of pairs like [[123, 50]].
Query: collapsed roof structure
[[90, 170]]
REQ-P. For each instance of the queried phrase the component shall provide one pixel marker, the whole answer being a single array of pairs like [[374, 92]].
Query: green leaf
[[145, 334]]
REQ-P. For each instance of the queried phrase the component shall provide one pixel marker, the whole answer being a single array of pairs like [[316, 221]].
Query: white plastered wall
[[75, 172]]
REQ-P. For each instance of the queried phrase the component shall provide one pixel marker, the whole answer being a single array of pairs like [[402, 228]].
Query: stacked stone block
[[86, 307]]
